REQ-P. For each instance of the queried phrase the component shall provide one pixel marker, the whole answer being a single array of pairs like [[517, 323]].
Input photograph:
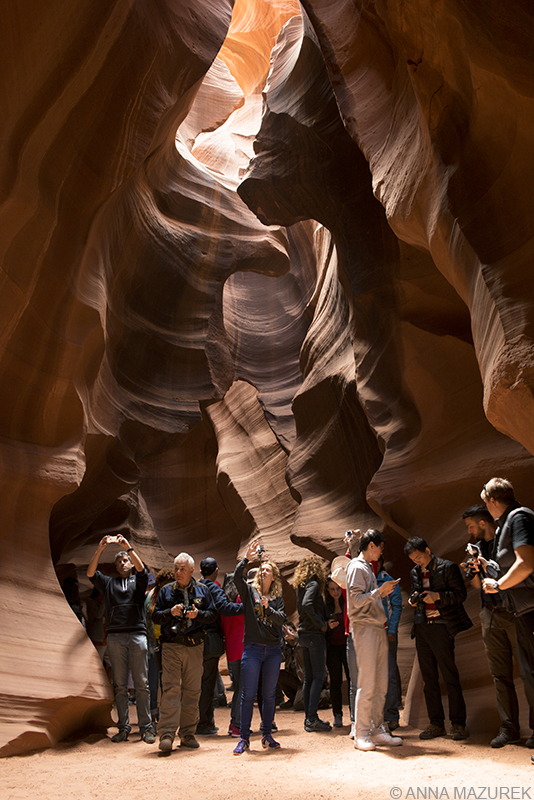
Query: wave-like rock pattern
[[328, 353]]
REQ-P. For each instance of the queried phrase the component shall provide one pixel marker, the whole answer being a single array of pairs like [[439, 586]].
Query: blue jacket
[[392, 603]]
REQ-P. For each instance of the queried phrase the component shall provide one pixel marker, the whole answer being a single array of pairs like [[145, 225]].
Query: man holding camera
[[437, 594], [498, 627], [124, 596], [183, 609], [513, 556]]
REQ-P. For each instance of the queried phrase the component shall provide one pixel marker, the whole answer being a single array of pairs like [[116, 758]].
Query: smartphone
[[113, 540]]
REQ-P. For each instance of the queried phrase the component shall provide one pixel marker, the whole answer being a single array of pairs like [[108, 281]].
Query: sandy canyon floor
[[319, 766]]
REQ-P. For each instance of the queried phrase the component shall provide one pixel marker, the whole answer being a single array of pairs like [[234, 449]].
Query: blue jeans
[[314, 654], [256, 656], [235, 669], [128, 651]]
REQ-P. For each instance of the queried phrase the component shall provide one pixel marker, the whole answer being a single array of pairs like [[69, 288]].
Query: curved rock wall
[[262, 273]]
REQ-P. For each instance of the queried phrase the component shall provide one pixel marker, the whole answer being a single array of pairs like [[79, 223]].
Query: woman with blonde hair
[[264, 616], [309, 582]]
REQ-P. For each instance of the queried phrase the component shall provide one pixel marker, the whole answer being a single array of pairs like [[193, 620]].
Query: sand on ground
[[322, 766]]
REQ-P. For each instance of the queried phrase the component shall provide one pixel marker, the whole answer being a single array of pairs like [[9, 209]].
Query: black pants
[[205, 705], [435, 648], [524, 629], [336, 660]]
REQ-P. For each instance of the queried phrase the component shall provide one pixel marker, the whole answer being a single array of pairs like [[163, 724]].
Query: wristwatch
[[129, 550], [496, 586]]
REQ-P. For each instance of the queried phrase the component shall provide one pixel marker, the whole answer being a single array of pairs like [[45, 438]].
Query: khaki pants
[[181, 681], [371, 646]]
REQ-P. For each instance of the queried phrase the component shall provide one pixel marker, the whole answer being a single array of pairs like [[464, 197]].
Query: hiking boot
[[505, 737], [433, 731], [316, 726], [234, 731], [393, 724], [267, 741], [121, 736], [189, 741], [458, 732], [148, 736], [382, 735], [165, 742], [240, 747], [338, 720], [364, 743]]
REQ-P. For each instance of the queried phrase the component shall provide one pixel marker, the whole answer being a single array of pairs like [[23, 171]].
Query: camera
[[474, 552], [261, 550], [417, 597]]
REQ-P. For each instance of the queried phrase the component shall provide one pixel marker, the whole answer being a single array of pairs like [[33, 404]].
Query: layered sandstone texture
[[266, 271]]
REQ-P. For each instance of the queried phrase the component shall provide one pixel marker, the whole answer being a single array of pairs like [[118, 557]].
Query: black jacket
[[259, 629], [311, 607], [445, 578], [179, 629], [125, 600]]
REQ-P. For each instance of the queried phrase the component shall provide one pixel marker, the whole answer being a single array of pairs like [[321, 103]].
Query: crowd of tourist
[[164, 636]]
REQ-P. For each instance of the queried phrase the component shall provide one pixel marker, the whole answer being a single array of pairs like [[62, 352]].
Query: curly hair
[[276, 585], [310, 567]]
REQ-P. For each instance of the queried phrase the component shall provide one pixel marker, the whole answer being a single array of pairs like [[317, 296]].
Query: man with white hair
[[183, 609]]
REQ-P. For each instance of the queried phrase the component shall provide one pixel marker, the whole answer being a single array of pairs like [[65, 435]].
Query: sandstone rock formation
[[229, 314]]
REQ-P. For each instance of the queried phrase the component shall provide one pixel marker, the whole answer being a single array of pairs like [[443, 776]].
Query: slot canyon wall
[[266, 270]]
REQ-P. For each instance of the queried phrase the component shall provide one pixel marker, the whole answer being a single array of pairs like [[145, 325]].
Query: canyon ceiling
[[266, 270]]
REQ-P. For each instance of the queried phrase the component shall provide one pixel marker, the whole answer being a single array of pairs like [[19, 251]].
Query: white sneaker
[[364, 743], [382, 735], [352, 734]]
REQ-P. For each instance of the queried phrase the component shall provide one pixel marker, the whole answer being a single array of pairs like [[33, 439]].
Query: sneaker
[[338, 720], [316, 725], [234, 731], [459, 732], [207, 731], [189, 741], [287, 704], [165, 742], [433, 731], [240, 747], [267, 741], [364, 743], [148, 736], [530, 742], [121, 736], [274, 727], [505, 737], [382, 735], [352, 734]]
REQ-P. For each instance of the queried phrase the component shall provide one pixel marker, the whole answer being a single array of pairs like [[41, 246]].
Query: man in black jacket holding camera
[[437, 594]]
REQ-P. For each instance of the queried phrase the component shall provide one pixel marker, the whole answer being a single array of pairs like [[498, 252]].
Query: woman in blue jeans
[[264, 616], [309, 582]]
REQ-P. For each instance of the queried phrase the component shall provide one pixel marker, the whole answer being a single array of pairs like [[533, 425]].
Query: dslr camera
[[474, 552]]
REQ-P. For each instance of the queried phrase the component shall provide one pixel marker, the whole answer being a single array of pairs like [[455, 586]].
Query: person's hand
[[177, 610], [264, 601], [124, 543], [349, 536], [333, 623], [192, 612], [104, 541], [252, 550], [387, 587], [488, 585]]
